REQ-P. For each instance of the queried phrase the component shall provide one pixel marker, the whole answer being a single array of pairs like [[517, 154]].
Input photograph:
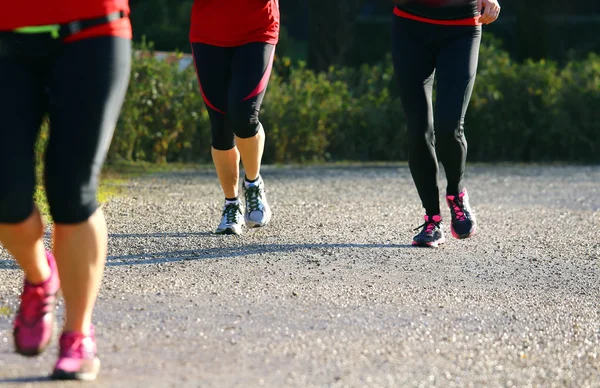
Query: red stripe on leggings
[[262, 85]]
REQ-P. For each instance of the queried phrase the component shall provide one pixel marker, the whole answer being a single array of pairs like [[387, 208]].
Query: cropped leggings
[[233, 82], [81, 87]]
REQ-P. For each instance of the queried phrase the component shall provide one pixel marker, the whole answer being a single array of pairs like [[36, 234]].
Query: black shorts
[[81, 87]]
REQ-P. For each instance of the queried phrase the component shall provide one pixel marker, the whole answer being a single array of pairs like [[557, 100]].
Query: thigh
[[456, 72], [251, 69], [87, 86], [22, 107], [213, 67], [414, 54]]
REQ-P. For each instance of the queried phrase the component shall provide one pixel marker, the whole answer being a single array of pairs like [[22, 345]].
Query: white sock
[[230, 201], [256, 182]]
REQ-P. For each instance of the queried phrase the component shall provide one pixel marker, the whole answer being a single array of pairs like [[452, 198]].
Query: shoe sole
[[228, 231], [254, 224], [31, 352], [59, 374], [464, 236], [433, 244]]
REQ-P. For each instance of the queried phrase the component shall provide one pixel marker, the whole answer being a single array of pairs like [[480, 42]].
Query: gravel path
[[330, 294]]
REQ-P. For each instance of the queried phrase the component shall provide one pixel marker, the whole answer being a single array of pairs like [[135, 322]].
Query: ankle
[[37, 271], [86, 330], [39, 278], [248, 180], [435, 217]]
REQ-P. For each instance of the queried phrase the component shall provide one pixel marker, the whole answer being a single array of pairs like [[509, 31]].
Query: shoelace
[[459, 211], [429, 226], [70, 346], [230, 212], [252, 198], [33, 301]]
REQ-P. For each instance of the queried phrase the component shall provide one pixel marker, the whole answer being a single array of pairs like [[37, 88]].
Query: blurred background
[[332, 95]]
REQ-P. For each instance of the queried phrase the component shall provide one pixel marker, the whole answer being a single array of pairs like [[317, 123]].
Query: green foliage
[[301, 114], [39, 195], [163, 115], [534, 111], [575, 133], [373, 127]]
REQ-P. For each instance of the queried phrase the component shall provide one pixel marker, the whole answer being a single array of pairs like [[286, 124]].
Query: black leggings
[[233, 82], [81, 86], [421, 50]]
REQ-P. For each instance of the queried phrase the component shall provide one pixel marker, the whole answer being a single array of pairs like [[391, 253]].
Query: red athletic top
[[445, 12], [28, 13], [230, 23]]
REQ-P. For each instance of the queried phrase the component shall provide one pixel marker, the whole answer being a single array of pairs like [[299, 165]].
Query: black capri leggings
[[233, 82], [421, 50], [81, 86]]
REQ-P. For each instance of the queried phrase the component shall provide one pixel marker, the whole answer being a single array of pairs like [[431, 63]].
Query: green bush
[[575, 133], [532, 111], [163, 117], [374, 126], [510, 106], [300, 115]]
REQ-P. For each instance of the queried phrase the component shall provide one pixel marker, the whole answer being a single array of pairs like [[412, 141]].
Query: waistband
[[61, 31]]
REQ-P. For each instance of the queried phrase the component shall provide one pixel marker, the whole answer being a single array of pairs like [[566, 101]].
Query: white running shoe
[[231, 221], [258, 212]]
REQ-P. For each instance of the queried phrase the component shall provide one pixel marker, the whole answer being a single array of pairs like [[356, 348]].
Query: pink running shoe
[[77, 358], [32, 329], [463, 223]]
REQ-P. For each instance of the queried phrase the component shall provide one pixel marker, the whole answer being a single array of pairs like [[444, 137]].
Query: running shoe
[[231, 221], [258, 211], [77, 358], [431, 234], [463, 223], [32, 329]]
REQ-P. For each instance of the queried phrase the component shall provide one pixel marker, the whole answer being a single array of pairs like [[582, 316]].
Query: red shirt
[[230, 23], [27, 13]]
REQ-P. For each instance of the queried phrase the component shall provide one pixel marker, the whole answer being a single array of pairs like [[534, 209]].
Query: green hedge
[[532, 111], [163, 117]]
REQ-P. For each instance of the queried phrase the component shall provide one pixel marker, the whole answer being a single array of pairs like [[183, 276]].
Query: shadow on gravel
[[8, 264], [213, 253], [292, 171], [231, 252], [25, 380], [173, 234]]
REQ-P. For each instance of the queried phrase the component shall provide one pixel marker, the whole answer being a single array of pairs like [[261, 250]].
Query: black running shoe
[[431, 235], [463, 223]]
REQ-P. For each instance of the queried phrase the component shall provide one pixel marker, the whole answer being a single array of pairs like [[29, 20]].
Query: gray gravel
[[330, 294]]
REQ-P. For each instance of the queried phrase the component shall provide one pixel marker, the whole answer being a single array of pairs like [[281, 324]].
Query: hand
[[491, 10]]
